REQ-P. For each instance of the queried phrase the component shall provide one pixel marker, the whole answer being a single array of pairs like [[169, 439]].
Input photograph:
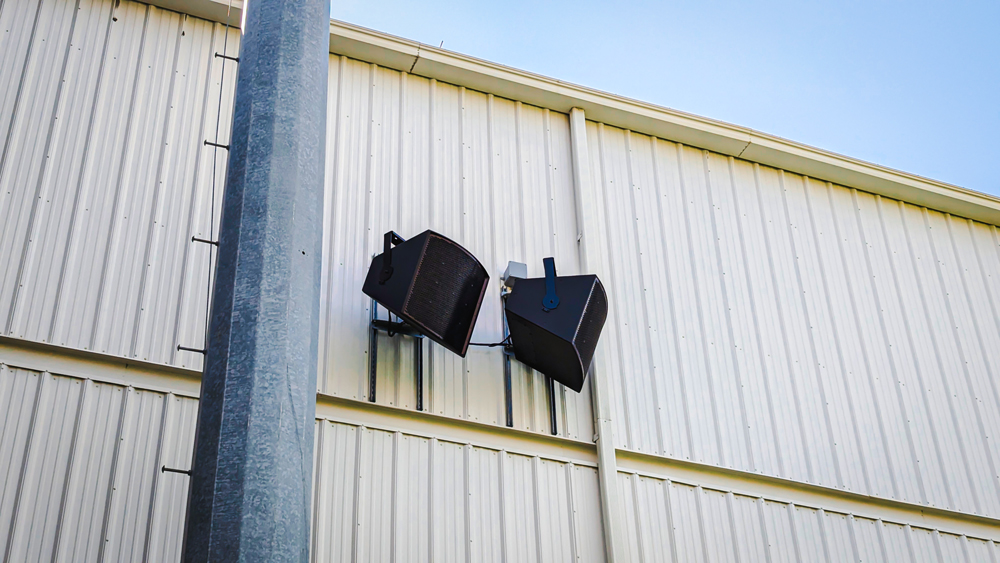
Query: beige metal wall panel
[[81, 469], [671, 521], [104, 175], [771, 323], [407, 154], [390, 496]]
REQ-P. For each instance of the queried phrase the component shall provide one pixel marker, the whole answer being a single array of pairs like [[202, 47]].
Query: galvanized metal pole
[[252, 473]]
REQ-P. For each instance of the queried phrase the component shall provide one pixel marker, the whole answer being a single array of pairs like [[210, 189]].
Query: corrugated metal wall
[[389, 496], [80, 480], [776, 324], [760, 321], [671, 521], [79, 469], [103, 175]]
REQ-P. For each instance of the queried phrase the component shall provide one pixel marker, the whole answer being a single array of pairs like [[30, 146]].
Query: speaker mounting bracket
[[551, 300], [394, 328], [389, 240]]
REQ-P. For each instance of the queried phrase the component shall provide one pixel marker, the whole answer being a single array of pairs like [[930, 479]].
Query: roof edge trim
[[432, 62], [402, 54]]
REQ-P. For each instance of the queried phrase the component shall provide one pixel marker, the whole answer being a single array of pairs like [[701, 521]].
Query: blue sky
[[914, 86]]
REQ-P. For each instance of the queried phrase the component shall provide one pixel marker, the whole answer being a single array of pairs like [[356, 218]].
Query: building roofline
[[432, 62]]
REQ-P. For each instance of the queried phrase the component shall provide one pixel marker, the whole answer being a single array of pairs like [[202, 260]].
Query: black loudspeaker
[[555, 322], [433, 284]]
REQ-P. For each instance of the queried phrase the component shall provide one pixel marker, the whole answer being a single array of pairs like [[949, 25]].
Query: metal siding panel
[[838, 537], [898, 346], [819, 365], [783, 543], [384, 495], [76, 319], [485, 538], [349, 249], [697, 413], [868, 538], [688, 523], [118, 300], [90, 473], [27, 139], [118, 140], [632, 523], [135, 473], [776, 388], [49, 454], [752, 383], [83, 485], [644, 208], [448, 525], [58, 181], [528, 390], [809, 533], [917, 281], [169, 238], [483, 366], [412, 534], [395, 354], [888, 405], [19, 23], [850, 390], [625, 286], [925, 548], [588, 528], [898, 546], [19, 395], [166, 529], [978, 550], [751, 536], [789, 316], [374, 502], [555, 517], [520, 516], [720, 539], [653, 515], [951, 546], [725, 382], [334, 494]]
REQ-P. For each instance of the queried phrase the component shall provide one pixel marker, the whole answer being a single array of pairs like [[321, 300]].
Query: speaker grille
[[447, 286], [594, 315]]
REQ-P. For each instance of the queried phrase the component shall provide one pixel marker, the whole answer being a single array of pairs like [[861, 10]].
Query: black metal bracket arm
[[166, 469], [216, 145], [227, 57], [390, 239], [394, 328], [551, 300]]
